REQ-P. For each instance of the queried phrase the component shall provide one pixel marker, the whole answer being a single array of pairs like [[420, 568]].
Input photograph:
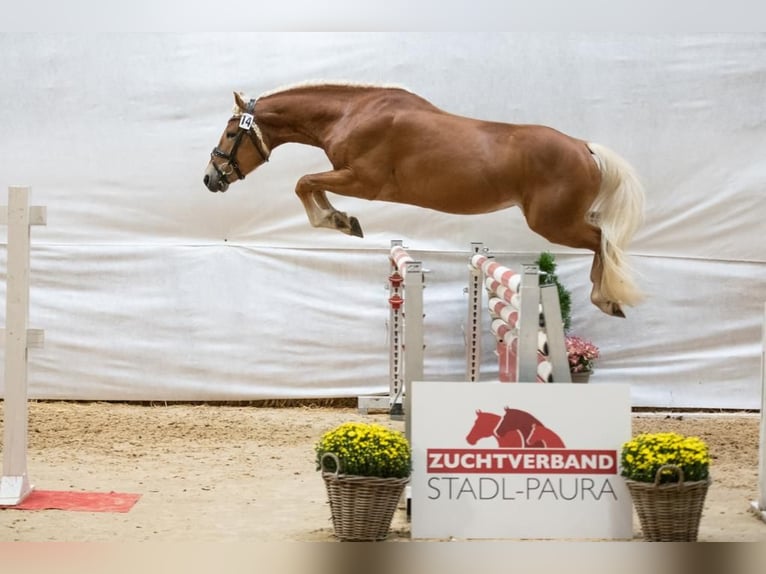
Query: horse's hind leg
[[565, 225], [597, 298], [321, 213]]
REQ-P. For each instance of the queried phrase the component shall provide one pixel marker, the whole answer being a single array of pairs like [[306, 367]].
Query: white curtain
[[150, 287]]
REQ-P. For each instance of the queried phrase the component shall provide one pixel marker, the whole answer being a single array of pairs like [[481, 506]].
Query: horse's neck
[[512, 438], [303, 115], [522, 418], [495, 424], [312, 115]]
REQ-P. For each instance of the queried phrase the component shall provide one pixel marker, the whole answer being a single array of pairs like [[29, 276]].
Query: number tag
[[246, 121]]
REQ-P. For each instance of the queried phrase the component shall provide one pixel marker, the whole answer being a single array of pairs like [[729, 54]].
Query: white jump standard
[[526, 322], [405, 332], [14, 484]]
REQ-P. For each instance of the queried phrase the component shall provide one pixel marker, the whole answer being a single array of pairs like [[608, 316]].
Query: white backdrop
[[150, 287]]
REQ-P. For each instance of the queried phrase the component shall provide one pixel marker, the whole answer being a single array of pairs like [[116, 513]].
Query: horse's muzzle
[[215, 183]]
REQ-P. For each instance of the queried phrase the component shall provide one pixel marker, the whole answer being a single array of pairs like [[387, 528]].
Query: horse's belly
[[466, 200]]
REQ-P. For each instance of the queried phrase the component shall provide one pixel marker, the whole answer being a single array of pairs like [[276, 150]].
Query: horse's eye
[[230, 134]]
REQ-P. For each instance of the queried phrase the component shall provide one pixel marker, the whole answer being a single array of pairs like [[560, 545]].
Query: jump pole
[[516, 302], [17, 338], [759, 506]]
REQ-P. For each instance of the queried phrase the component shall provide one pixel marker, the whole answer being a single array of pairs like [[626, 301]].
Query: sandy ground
[[242, 473]]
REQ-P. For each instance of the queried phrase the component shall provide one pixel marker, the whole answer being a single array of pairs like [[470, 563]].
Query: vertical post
[[472, 330], [554, 332], [529, 324], [395, 367], [759, 506], [413, 336], [14, 485], [396, 289]]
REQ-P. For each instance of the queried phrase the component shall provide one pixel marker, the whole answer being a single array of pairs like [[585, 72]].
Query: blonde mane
[[236, 111], [325, 83]]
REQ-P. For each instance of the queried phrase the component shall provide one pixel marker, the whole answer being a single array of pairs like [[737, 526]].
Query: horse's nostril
[[206, 179]]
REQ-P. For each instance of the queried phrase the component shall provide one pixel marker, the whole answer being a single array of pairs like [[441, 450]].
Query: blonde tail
[[619, 211]]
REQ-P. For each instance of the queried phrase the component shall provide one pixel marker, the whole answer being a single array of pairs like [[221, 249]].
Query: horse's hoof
[[356, 229], [610, 308]]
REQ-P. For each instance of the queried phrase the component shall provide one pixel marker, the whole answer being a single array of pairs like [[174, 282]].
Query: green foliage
[[366, 449], [547, 264]]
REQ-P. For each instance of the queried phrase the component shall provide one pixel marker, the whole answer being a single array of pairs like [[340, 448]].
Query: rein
[[247, 126]]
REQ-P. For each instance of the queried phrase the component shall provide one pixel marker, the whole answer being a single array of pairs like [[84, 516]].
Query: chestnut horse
[[388, 144]]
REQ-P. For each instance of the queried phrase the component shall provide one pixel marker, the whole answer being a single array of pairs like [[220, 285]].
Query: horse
[[521, 421], [485, 426], [386, 143], [545, 436]]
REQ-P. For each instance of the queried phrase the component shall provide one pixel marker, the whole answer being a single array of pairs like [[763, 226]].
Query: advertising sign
[[504, 460]]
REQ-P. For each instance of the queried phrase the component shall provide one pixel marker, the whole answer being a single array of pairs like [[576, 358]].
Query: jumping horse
[[389, 144]]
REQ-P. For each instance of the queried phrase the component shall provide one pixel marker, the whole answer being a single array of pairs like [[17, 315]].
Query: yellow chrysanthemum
[[366, 449], [643, 455]]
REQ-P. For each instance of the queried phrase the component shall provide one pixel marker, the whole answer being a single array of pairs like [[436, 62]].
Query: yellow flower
[[365, 449], [643, 455]]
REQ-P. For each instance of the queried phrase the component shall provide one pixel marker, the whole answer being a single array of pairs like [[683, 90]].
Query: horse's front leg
[[321, 213]]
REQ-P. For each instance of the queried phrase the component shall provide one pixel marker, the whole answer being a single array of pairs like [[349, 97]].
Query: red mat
[[77, 501]]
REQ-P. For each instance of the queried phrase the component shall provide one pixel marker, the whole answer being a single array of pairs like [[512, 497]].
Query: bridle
[[247, 126]]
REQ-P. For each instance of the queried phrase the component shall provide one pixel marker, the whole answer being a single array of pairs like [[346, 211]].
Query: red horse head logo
[[515, 429]]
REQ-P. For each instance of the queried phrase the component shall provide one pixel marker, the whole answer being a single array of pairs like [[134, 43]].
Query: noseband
[[246, 126]]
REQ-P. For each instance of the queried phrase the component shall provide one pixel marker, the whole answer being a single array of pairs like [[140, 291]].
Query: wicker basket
[[362, 507], [669, 512]]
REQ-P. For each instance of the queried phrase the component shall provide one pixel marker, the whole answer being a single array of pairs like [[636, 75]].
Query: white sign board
[[506, 460]]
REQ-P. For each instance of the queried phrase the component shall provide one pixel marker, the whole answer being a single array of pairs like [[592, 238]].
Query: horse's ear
[[239, 101], [478, 411]]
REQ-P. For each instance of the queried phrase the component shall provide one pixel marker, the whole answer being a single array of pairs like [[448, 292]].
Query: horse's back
[[407, 114], [407, 150]]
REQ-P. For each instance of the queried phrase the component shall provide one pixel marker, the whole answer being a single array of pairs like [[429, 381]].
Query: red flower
[[581, 354]]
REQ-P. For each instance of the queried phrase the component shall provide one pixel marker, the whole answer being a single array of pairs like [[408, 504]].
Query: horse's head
[[483, 427], [240, 150], [515, 419], [529, 427]]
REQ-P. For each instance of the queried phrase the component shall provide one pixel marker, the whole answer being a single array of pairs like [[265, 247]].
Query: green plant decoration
[[547, 264]]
